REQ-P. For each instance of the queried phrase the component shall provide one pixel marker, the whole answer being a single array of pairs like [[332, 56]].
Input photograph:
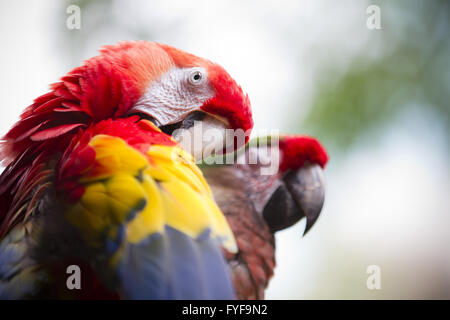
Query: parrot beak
[[201, 134], [301, 194]]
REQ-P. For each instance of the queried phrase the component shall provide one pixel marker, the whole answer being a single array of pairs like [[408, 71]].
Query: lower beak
[[301, 195]]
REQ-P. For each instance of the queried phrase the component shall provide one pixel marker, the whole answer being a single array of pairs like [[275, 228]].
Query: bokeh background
[[377, 99]]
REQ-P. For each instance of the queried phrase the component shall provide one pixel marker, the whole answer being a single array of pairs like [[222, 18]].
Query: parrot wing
[[139, 212]]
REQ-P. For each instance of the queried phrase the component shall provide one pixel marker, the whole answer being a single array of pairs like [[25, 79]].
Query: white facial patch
[[176, 94]]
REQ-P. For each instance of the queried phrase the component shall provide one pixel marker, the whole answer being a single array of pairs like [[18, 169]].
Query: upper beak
[[301, 195], [202, 135]]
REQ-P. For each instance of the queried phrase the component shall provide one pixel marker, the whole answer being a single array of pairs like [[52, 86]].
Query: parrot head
[[191, 90], [170, 87], [301, 192], [285, 175]]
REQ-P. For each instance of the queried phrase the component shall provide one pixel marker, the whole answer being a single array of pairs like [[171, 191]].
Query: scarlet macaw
[[94, 179], [259, 203]]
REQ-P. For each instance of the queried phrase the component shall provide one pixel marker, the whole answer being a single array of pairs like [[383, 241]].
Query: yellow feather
[[176, 161], [144, 193], [185, 209], [126, 195], [151, 218], [113, 155]]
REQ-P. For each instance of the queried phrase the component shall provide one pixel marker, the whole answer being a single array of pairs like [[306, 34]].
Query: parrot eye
[[196, 77]]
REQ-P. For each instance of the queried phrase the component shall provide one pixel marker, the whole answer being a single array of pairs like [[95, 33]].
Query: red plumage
[[104, 87], [79, 156], [298, 149], [228, 104]]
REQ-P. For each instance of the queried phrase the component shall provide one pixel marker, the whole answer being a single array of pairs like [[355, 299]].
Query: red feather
[[104, 87], [233, 105], [54, 132], [296, 150]]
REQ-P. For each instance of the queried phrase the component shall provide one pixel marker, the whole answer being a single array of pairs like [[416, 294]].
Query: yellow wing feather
[[142, 193]]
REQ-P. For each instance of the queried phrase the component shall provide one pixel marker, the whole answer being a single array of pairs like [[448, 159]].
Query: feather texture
[[153, 215], [117, 182], [133, 210]]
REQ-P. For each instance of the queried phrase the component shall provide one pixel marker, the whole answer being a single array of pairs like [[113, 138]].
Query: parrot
[[257, 204], [100, 183]]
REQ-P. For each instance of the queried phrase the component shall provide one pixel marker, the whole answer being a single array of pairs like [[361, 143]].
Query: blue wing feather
[[175, 266]]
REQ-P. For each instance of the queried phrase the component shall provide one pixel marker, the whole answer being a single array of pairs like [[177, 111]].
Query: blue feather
[[175, 266]]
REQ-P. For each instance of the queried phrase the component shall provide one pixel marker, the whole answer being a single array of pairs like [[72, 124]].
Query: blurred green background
[[378, 99]]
